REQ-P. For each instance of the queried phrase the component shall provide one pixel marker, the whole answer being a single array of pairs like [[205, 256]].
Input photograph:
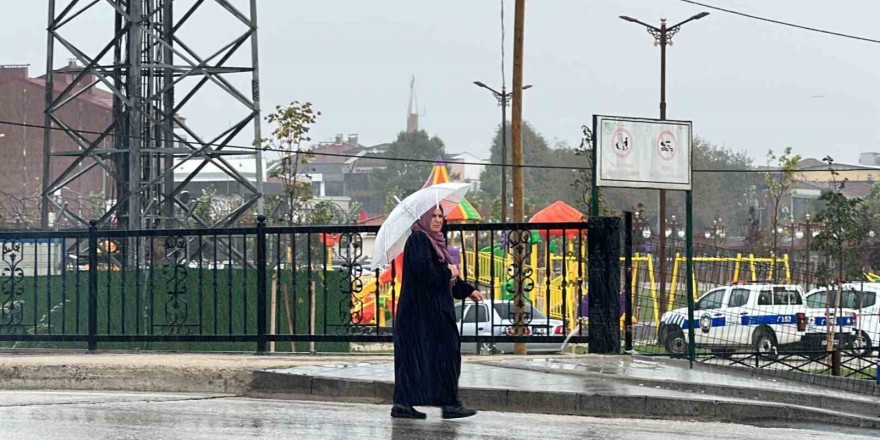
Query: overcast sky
[[746, 84]]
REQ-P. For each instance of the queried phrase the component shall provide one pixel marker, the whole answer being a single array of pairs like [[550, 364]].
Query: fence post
[[93, 285], [261, 285], [628, 280]]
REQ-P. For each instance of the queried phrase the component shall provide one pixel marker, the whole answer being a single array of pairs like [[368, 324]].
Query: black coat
[[427, 347]]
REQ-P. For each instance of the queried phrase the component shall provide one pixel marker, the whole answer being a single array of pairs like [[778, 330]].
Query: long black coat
[[427, 347]]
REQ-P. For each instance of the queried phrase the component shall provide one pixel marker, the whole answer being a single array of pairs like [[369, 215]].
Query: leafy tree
[[754, 238], [400, 178], [204, 206], [584, 178], [541, 186], [292, 125], [718, 190], [843, 234], [779, 183]]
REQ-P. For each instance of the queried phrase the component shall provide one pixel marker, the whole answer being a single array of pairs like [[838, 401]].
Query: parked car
[[868, 320], [845, 319], [760, 317], [487, 318]]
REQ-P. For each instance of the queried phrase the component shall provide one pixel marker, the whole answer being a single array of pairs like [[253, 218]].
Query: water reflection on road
[[95, 416]]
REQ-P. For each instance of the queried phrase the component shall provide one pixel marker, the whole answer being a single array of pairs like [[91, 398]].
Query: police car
[[868, 311], [822, 313], [760, 317]]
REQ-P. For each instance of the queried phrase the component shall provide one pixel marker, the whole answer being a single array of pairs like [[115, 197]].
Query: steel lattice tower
[[142, 65]]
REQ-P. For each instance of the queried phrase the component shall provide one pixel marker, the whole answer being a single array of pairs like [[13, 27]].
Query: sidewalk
[[608, 386]]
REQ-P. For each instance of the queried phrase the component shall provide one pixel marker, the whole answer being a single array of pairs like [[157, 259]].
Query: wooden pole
[[516, 135]]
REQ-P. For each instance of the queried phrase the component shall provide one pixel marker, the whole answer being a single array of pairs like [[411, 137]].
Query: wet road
[[95, 416]]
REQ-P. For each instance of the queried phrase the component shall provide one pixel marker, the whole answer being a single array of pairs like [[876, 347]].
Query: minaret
[[412, 116]]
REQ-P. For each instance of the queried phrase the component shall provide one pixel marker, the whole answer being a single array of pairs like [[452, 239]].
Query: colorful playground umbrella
[[558, 212], [465, 211], [397, 227]]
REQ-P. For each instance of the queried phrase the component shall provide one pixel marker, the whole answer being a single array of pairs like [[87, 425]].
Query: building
[[814, 170], [814, 178], [341, 171], [22, 105], [468, 169]]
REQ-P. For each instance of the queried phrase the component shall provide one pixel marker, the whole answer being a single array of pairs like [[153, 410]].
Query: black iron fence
[[312, 288], [308, 288]]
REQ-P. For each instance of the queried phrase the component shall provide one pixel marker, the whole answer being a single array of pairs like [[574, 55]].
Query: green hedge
[[140, 302]]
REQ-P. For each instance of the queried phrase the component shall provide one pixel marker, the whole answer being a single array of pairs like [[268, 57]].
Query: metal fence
[[751, 324], [312, 288], [307, 288]]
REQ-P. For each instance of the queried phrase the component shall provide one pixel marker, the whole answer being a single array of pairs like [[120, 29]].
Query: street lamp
[[663, 37], [674, 229], [717, 231], [640, 226], [503, 98]]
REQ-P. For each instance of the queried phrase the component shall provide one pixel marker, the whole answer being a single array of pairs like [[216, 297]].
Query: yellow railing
[[549, 296], [738, 263]]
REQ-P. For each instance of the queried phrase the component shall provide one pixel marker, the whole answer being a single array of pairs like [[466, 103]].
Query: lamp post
[[673, 229], [811, 233], [503, 98], [663, 37], [717, 231], [640, 227]]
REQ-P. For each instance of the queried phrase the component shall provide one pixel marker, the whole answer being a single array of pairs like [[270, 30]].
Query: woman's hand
[[454, 269], [476, 296]]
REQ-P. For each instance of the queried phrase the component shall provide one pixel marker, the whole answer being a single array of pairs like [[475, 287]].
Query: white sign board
[[642, 153]]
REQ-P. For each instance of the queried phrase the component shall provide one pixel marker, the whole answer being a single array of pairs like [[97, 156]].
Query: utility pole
[[516, 136]]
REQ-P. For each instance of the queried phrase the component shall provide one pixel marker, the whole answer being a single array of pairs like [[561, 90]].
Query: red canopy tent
[[558, 212]]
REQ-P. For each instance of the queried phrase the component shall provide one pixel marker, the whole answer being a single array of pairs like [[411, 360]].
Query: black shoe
[[457, 412], [406, 412]]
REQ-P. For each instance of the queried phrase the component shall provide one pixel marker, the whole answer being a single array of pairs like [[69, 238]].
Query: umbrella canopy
[[558, 212], [398, 226], [465, 211]]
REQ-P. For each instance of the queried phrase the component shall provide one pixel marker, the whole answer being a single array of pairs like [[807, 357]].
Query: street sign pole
[[689, 273], [594, 188]]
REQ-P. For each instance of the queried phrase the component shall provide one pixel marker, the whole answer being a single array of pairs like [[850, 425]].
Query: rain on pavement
[[100, 415]]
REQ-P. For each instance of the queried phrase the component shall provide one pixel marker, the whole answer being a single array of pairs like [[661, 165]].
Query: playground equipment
[[556, 293]]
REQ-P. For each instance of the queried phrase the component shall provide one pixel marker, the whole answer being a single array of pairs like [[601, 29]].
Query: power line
[[783, 23], [456, 162]]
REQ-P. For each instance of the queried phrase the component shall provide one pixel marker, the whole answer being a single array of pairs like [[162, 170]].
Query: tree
[[541, 186], [843, 235], [584, 178], [401, 178], [292, 125], [754, 239], [779, 183]]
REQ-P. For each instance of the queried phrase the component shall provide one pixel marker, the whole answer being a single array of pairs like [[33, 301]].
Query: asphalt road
[[95, 416]]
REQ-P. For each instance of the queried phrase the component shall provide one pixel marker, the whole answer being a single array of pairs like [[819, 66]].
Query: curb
[[301, 387], [136, 379], [818, 401]]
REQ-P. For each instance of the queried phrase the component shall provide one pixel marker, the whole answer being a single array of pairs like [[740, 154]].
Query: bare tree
[[779, 184]]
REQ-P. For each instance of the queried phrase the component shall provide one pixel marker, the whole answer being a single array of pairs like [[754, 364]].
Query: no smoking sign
[[666, 145]]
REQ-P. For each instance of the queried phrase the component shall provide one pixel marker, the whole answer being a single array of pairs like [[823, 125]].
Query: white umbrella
[[398, 226]]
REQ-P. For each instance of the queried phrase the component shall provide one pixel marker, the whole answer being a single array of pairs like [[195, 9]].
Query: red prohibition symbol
[[623, 142], [666, 145]]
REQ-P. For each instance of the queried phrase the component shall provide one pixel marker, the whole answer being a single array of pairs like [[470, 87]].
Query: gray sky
[[746, 84]]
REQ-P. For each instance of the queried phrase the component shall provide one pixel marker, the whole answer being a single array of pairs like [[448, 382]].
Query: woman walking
[[427, 347]]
